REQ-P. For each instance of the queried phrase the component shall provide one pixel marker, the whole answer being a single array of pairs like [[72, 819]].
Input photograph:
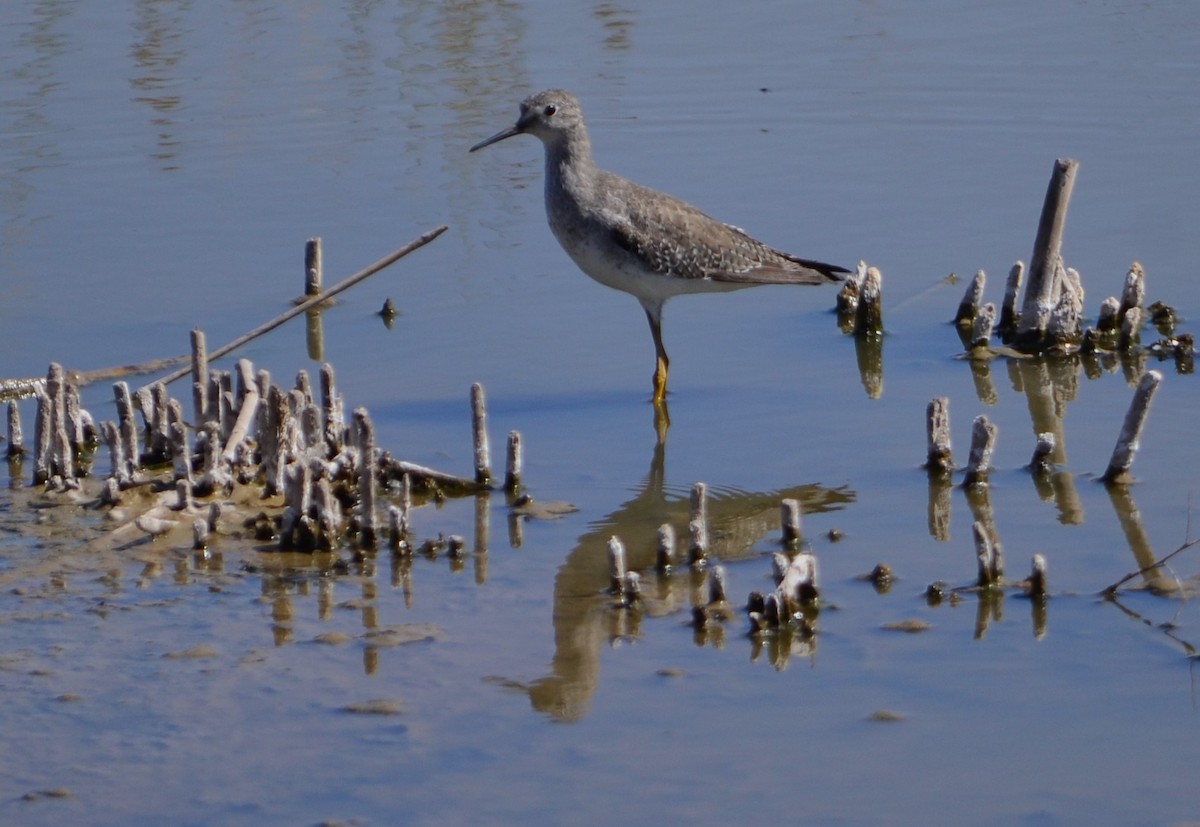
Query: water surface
[[161, 166]]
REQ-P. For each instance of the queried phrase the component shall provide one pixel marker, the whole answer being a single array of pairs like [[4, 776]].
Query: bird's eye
[[550, 110]]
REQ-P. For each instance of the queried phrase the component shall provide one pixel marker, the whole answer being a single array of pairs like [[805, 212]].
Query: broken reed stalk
[[1133, 292], [199, 377], [798, 586], [971, 300], [983, 442], [308, 304], [981, 329], [16, 439], [1131, 328], [664, 551], [869, 317], [1041, 292], [716, 585], [331, 410], [616, 565], [513, 463], [698, 525], [989, 557], [1131, 431], [246, 417], [1041, 462], [483, 462], [790, 516], [128, 430], [199, 535], [364, 431], [43, 428], [939, 459], [62, 458], [312, 267], [847, 299], [1066, 326], [1036, 584], [1007, 326]]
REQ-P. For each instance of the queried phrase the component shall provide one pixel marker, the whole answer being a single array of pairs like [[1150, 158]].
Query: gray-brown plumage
[[638, 240]]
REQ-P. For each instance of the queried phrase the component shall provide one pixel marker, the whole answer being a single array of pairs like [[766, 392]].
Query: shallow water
[[161, 166]]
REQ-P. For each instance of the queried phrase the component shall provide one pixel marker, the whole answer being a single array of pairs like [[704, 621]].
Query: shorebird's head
[[551, 116]]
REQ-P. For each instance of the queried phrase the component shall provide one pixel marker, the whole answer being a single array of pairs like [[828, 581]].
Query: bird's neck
[[569, 165]]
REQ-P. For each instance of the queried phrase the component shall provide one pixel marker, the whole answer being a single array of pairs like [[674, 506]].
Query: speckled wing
[[674, 238]]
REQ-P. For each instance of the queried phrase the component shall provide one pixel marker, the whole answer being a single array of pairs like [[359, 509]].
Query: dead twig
[[312, 302], [20, 388], [1112, 590]]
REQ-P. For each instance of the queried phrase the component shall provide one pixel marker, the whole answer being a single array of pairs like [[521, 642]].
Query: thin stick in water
[[308, 304], [939, 459], [312, 267], [483, 462], [789, 515], [1008, 308], [1041, 293], [616, 564], [514, 463], [1131, 431], [971, 300], [983, 442]]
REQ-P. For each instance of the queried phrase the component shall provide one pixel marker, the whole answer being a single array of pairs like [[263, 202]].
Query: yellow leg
[[662, 363], [660, 381]]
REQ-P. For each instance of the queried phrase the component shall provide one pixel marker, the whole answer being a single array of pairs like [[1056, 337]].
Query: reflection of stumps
[[513, 463], [483, 472], [939, 459], [868, 352], [1131, 432], [939, 507], [789, 512], [716, 585], [1042, 291], [483, 501], [314, 333], [983, 441]]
